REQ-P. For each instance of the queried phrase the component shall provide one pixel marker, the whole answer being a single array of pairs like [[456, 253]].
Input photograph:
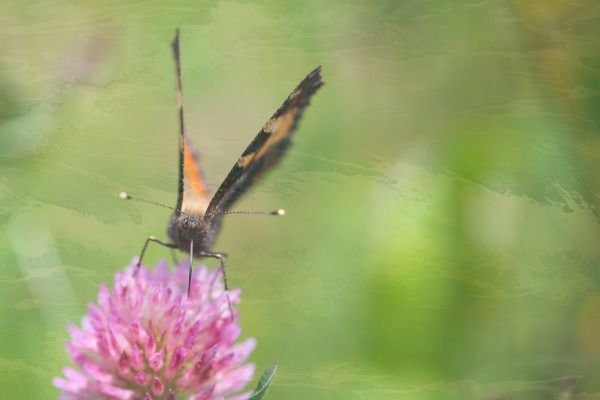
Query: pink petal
[[158, 387], [116, 392]]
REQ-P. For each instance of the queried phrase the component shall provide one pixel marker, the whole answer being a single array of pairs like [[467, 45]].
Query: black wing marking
[[268, 147]]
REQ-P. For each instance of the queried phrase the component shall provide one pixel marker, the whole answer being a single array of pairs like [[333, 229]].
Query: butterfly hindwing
[[193, 196], [267, 148]]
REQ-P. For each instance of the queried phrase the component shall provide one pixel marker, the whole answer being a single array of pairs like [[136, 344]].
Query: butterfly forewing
[[268, 146], [196, 194], [193, 196]]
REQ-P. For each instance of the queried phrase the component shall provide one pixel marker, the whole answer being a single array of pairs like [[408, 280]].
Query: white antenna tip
[[124, 196], [279, 212]]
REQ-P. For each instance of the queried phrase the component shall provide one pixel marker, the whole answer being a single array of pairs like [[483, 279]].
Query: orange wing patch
[[192, 173], [279, 129], [196, 194]]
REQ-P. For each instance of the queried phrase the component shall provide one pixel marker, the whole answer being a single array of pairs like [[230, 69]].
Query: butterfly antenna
[[127, 196], [278, 213]]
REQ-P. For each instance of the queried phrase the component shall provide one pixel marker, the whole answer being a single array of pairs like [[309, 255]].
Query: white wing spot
[[245, 160]]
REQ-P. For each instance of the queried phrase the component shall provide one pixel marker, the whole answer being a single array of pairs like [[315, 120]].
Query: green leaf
[[264, 382]]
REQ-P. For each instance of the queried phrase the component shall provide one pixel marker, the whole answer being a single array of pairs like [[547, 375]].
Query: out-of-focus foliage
[[442, 231]]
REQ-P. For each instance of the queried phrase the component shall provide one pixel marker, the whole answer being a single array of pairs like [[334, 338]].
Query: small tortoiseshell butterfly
[[197, 217]]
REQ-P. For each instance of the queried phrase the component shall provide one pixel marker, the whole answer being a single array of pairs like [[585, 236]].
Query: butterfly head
[[184, 228], [191, 226], [189, 222]]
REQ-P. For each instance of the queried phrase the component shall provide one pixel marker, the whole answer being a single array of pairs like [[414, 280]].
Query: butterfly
[[197, 217]]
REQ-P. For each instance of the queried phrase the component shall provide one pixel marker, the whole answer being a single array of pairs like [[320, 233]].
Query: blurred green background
[[442, 236]]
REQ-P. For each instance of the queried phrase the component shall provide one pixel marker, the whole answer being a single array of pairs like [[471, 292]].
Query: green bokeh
[[442, 236]]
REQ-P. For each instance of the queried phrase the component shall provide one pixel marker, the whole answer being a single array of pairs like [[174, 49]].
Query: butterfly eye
[[184, 223]]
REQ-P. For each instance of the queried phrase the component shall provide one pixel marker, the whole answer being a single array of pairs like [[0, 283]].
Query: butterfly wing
[[193, 195], [193, 191], [267, 148]]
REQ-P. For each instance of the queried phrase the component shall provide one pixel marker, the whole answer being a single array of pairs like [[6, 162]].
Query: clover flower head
[[146, 339]]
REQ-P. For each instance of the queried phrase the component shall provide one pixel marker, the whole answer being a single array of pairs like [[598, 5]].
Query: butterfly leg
[[155, 240], [221, 257]]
